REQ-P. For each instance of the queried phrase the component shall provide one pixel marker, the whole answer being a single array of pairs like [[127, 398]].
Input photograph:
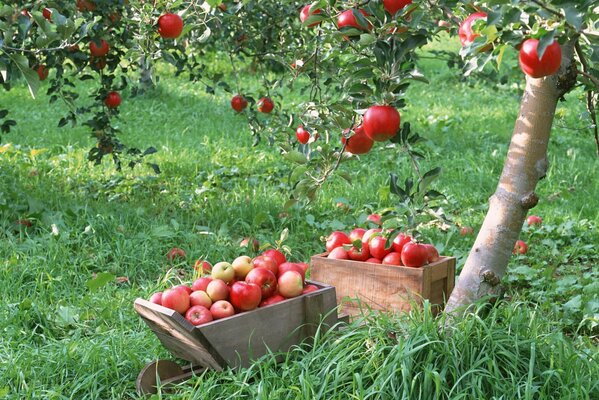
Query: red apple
[[414, 255], [242, 265], [176, 299], [310, 289], [277, 298], [174, 253], [381, 122], [393, 258], [369, 234], [433, 254], [42, 72], [302, 135], [358, 143], [156, 298], [223, 271], [251, 243], [265, 279], [170, 26], [198, 315], [304, 266], [520, 247], [348, 19], [267, 262], [378, 247], [356, 234], [183, 287], [466, 230], [203, 266], [238, 103], [465, 32], [218, 290], [221, 309], [359, 255], [534, 220], [393, 6], [200, 298], [265, 105], [47, 13], [305, 14], [336, 239], [99, 48], [201, 283], [276, 254], [399, 242], [288, 266], [537, 68], [245, 296], [112, 100], [374, 261], [290, 284], [374, 218], [338, 254]]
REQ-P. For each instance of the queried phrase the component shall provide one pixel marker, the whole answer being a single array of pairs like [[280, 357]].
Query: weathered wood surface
[[361, 285]]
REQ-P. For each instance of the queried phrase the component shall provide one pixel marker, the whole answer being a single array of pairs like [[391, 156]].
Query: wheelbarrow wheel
[[154, 373]]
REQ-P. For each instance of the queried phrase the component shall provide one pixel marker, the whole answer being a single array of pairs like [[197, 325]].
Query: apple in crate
[[223, 271], [374, 261], [222, 309], [292, 267], [433, 254], [338, 254], [245, 296], [310, 289], [184, 287], [277, 255], [200, 298], [242, 265], [414, 255], [277, 298], [218, 290], [265, 279], [156, 298], [290, 284], [176, 299], [400, 241], [198, 315], [267, 262], [201, 283], [336, 239], [393, 258], [378, 247]]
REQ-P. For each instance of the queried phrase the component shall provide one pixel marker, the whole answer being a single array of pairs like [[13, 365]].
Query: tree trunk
[[525, 164], [146, 81]]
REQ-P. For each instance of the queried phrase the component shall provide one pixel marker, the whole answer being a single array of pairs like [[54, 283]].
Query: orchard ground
[[61, 339]]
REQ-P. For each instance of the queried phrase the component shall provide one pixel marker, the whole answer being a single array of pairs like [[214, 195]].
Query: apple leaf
[[101, 279]]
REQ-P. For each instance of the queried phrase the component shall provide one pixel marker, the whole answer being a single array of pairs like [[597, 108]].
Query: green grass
[[62, 340]]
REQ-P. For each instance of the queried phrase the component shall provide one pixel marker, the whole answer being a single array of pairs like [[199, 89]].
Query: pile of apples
[[372, 246], [243, 285]]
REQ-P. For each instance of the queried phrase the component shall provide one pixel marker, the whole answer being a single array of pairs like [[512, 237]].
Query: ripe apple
[[174, 253], [537, 68], [374, 218], [223, 271], [218, 290], [97, 63], [288, 266], [170, 26], [399, 242], [277, 298], [201, 283], [378, 248], [245, 296], [183, 287], [368, 235], [356, 234], [520, 247], [374, 261], [156, 298], [348, 19], [198, 315], [251, 243], [112, 100], [238, 103], [358, 143], [176, 299], [359, 255], [222, 309], [466, 230], [203, 266], [381, 122], [465, 32], [85, 5], [267, 262], [433, 254], [276, 254], [290, 284], [265, 279], [98, 48], [336, 239], [200, 298], [304, 267], [305, 14], [393, 258], [302, 135], [47, 13], [414, 255], [393, 6], [338, 253], [310, 289], [42, 72], [265, 105], [242, 265], [534, 220]]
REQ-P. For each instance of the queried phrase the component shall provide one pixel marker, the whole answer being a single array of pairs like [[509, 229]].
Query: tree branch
[[590, 94]]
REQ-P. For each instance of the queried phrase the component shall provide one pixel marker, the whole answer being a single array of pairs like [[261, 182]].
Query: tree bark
[[526, 163], [146, 80]]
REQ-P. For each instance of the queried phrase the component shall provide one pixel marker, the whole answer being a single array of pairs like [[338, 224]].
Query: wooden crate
[[237, 340], [361, 285]]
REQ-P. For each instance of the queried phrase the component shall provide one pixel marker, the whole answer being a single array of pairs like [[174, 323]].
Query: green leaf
[[33, 81], [544, 42], [427, 179], [101, 279], [296, 157], [574, 17]]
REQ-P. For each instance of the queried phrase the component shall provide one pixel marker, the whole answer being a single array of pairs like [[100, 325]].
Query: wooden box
[[237, 340], [362, 285]]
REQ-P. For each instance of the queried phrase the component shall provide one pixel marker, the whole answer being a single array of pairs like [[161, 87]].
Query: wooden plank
[[178, 335]]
